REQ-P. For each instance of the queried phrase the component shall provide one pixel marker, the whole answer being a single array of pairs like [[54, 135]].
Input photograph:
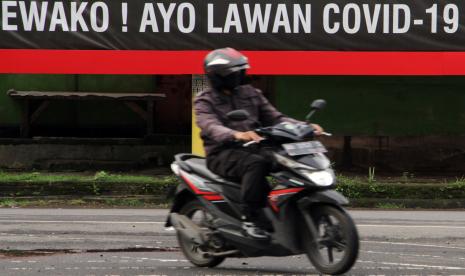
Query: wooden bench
[[35, 102]]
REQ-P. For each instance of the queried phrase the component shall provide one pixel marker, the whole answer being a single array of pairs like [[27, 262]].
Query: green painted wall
[[106, 113], [10, 109], [84, 113], [356, 105], [377, 105]]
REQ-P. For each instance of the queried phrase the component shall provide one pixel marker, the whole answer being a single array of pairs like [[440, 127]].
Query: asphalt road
[[108, 242]]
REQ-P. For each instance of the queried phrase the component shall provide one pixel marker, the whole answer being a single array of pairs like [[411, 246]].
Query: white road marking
[[415, 244], [401, 254], [410, 226], [166, 261], [162, 222], [415, 265], [151, 259], [98, 261], [82, 222]]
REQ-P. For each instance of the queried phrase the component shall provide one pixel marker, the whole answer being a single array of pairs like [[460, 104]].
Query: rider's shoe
[[254, 231]]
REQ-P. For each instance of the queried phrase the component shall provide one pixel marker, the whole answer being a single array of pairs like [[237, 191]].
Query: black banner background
[[418, 37]]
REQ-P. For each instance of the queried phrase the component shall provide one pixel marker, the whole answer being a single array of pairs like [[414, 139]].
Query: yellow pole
[[199, 83], [197, 144]]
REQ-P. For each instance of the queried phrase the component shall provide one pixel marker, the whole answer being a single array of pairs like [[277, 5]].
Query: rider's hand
[[247, 136], [318, 130]]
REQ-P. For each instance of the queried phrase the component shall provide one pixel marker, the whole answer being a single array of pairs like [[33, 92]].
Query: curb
[[151, 201], [133, 201]]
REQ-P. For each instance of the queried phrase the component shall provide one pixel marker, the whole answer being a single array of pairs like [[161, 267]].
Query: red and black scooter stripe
[[276, 195], [208, 195]]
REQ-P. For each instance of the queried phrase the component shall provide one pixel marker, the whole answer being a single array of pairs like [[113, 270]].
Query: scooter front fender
[[328, 196], [182, 196]]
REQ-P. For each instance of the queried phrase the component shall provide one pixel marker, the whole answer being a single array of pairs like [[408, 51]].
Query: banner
[[184, 27]]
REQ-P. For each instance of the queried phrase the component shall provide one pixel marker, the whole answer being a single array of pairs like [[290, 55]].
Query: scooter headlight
[[321, 178]]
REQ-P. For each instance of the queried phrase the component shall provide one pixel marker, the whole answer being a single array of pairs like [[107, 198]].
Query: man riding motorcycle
[[226, 71]]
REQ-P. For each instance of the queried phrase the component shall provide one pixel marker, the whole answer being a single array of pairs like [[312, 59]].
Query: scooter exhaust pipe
[[187, 228]]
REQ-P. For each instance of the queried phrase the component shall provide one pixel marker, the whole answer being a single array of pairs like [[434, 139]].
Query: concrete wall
[[418, 155], [112, 154]]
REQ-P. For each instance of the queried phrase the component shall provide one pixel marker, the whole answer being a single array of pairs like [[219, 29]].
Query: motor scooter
[[305, 211]]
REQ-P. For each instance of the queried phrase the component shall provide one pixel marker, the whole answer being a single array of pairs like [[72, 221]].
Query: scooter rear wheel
[[199, 215], [335, 249]]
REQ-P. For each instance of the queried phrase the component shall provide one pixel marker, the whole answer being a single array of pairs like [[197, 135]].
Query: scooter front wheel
[[335, 248], [196, 212]]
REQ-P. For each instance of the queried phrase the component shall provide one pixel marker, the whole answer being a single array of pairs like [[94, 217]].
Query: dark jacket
[[217, 131]]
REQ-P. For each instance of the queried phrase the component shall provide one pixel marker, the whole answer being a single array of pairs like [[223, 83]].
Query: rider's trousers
[[249, 167]]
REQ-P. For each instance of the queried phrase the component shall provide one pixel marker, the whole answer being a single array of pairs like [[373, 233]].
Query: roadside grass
[[38, 177], [459, 182], [13, 203], [85, 202], [99, 183], [397, 188], [100, 189], [106, 177], [101, 176]]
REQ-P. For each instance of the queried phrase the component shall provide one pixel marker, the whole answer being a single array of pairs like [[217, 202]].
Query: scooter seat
[[199, 166]]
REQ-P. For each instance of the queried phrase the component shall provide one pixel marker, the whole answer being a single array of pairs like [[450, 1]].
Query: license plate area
[[302, 148]]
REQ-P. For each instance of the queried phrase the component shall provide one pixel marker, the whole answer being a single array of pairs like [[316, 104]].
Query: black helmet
[[225, 68]]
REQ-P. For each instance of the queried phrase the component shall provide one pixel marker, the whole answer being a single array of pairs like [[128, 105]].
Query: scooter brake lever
[[250, 143]]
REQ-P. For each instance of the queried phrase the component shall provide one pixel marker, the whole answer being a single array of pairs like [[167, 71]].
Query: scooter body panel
[[283, 213]]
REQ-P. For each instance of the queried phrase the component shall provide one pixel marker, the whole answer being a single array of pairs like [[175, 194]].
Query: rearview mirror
[[318, 104], [238, 115]]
